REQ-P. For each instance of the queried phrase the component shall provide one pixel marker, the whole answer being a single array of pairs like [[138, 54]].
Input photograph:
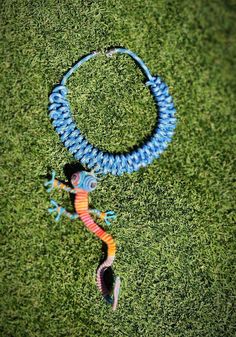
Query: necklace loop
[[91, 156]]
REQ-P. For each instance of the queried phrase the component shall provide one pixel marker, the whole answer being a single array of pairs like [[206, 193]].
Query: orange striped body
[[82, 209]]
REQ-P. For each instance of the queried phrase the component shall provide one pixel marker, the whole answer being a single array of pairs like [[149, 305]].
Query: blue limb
[[109, 215], [50, 183], [61, 210], [71, 216], [58, 209], [106, 216]]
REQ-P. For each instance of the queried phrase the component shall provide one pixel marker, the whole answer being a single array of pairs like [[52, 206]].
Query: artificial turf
[[175, 231]]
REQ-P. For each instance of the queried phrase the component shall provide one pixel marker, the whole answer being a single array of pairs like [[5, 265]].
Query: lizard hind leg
[[56, 209], [59, 210]]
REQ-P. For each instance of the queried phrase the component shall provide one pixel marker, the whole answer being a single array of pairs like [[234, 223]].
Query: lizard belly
[[81, 202], [81, 207]]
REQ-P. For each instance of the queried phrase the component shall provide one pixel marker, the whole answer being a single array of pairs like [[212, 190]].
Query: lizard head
[[84, 180]]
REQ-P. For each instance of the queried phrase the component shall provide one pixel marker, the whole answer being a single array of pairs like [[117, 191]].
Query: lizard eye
[[75, 177], [93, 185]]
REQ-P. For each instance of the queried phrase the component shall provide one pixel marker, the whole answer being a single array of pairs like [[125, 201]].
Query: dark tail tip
[[116, 293]]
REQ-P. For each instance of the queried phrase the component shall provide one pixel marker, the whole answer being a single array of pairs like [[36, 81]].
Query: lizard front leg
[[55, 183]]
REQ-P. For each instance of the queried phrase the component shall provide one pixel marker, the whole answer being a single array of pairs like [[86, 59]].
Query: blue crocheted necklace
[[105, 162]]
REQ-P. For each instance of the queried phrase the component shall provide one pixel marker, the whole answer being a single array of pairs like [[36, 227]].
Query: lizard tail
[[107, 238], [102, 286]]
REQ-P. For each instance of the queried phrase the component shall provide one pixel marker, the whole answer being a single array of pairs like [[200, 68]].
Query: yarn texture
[[91, 156]]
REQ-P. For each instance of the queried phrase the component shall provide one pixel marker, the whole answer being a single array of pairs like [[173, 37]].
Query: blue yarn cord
[[91, 156]]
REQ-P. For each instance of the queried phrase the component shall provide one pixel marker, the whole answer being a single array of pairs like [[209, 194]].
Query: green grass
[[175, 231]]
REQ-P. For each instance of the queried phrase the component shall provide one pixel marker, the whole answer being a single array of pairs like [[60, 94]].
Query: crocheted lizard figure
[[83, 183]]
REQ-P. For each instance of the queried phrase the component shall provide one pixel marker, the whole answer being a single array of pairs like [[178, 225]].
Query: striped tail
[[81, 207], [102, 286]]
